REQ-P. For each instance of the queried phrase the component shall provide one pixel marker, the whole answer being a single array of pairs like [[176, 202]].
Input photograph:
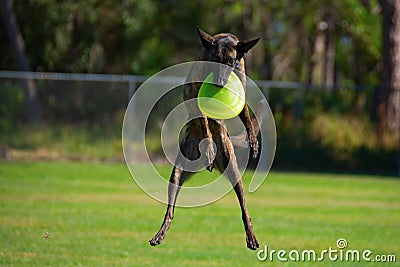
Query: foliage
[[142, 37], [331, 130], [11, 105]]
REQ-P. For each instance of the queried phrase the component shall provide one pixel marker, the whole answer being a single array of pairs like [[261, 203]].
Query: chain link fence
[[317, 129]]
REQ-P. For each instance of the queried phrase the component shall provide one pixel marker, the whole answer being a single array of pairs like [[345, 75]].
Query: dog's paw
[[252, 242], [207, 147], [157, 240], [254, 146], [210, 167], [210, 155]]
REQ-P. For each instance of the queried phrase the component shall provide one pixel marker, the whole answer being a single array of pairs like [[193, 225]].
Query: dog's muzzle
[[221, 75]]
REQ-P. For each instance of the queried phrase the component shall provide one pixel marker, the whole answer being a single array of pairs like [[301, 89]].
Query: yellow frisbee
[[221, 103]]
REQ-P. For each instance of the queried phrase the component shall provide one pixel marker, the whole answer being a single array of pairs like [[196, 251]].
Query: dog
[[210, 135]]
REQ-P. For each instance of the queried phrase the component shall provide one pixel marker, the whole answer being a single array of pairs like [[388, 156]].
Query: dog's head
[[224, 48]]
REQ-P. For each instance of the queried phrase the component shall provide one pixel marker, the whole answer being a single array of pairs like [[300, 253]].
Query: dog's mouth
[[221, 75]]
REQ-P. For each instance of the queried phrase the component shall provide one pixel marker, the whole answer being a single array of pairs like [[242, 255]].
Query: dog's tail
[[240, 141]]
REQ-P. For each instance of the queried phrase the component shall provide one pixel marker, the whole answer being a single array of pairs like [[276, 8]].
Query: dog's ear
[[243, 47], [206, 39]]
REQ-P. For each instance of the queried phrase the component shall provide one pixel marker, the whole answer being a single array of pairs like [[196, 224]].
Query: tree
[[17, 46], [389, 104]]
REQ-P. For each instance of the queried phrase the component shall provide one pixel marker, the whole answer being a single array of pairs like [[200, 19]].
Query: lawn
[[96, 215]]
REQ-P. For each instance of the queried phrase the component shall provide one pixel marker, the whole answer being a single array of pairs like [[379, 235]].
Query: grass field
[[97, 216]]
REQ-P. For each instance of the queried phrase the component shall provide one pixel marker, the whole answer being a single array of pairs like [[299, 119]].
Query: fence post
[[132, 90], [262, 163], [132, 87], [298, 112], [265, 89]]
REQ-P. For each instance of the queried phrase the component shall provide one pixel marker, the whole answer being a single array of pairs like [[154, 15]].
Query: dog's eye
[[231, 62]]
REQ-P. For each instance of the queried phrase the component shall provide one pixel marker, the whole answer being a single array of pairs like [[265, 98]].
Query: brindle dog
[[210, 135]]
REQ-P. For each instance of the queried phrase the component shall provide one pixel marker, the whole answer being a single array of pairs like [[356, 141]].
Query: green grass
[[97, 216]]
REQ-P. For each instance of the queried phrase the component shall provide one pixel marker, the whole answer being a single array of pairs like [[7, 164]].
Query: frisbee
[[221, 103]]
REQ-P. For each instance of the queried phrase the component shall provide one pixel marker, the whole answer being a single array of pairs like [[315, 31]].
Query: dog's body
[[226, 49]]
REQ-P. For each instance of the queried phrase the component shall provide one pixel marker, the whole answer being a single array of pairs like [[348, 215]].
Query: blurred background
[[330, 69]]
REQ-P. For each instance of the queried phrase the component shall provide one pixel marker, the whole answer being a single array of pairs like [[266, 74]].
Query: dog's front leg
[[248, 124], [191, 91], [208, 147]]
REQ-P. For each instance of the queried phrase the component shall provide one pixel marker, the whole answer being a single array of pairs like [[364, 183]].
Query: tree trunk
[[358, 77], [246, 20], [394, 102], [266, 20], [318, 57], [330, 55], [17, 46], [310, 60], [389, 97]]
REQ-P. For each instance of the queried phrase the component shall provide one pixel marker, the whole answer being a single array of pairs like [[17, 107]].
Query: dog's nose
[[221, 82]]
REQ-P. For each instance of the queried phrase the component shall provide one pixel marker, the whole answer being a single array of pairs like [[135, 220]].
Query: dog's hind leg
[[190, 151], [178, 176], [227, 164], [251, 240]]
